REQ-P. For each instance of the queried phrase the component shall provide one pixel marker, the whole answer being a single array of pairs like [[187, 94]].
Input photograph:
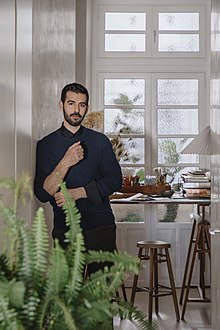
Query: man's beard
[[74, 119]]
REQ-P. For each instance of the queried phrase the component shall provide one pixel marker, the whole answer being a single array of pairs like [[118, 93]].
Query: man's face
[[74, 108]]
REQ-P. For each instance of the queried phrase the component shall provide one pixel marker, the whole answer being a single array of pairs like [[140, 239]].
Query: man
[[85, 160]]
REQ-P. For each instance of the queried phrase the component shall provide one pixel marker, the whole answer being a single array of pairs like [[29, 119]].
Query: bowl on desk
[[167, 193]]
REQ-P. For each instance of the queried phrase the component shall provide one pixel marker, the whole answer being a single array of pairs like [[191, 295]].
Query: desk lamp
[[201, 144], [205, 143]]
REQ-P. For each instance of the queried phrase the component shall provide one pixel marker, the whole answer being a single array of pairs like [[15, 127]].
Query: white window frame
[[179, 9], [100, 42], [148, 91], [119, 65], [201, 106], [151, 30]]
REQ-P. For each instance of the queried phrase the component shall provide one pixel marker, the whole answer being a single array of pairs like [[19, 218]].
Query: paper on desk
[[128, 199]]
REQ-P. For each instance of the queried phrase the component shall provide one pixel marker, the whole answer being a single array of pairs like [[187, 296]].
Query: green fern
[[77, 269], [44, 289], [8, 316], [40, 243], [26, 270], [72, 215], [58, 272]]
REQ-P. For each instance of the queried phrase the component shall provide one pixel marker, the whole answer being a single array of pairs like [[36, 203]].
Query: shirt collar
[[65, 132]]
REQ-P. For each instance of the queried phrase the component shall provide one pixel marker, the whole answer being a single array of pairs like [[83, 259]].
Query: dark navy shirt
[[99, 173]]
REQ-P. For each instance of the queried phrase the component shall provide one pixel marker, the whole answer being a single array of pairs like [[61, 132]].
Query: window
[[179, 31], [150, 72], [142, 31], [176, 115]]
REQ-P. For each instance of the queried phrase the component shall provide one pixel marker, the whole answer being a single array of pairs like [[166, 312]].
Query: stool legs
[[187, 261], [172, 284], [135, 281], [155, 258], [201, 247], [153, 284]]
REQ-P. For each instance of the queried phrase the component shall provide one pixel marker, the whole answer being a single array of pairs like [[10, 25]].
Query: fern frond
[[76, 272], [7, 182], [102, 285], [94, 315], [7, 315], [72, 215], [5, 270], [26, 256], [16, 292], [58, 271], [30, 309], [123, 261], [11, 238], [23, 189], [126, 310], [40, 244], [69, 321], [52, 312]]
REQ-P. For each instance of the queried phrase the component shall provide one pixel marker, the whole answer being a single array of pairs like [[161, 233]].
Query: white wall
[[37, 58], [53, 67], [15, 89]]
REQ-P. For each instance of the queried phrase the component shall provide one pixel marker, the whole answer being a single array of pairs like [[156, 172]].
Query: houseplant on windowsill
[[42, 289]]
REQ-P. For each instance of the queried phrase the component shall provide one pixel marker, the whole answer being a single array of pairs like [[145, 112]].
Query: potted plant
[[42, 288]]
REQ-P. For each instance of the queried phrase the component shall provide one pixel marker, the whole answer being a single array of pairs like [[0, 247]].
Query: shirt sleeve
[[92, 193], [111, 174], [40, 175]]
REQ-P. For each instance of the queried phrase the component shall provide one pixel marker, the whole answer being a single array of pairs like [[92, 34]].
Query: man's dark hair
[[76, 88]]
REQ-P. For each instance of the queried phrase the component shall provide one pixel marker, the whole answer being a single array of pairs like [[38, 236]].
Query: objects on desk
[[197, 193], [196, 184], [132, 184], [128, 197], [198, 176], [145, 189]]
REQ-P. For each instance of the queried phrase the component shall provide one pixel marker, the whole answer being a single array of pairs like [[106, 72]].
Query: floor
[[197, 315]]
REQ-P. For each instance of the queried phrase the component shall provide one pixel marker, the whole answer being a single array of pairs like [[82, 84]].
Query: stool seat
[[156, 252], [153, 244]]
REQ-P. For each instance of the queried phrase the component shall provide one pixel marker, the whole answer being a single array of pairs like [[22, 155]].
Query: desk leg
[[187, 262]]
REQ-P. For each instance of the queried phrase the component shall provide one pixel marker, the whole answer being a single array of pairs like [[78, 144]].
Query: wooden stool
[[200, 237], [156, 252]]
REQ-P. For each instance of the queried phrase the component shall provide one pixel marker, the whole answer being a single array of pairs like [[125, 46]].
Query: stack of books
[[196, 179], [196, 184]]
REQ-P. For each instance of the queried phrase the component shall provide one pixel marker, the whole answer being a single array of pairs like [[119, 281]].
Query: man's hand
[[59, 198], [73, 155], [75, 193]]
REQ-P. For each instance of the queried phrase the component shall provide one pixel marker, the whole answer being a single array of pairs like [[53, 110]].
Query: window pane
[[179, 21], [124, 91], [175, 212], [124, 121], [177, 91], [169, 151], [175, 172], [125, 21], [177, 121], [134, 171], [135, 151], [124, 42], [128, 213], [178, 43]]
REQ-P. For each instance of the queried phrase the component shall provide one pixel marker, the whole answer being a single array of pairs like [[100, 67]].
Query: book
[[195, 178], [191, 185]]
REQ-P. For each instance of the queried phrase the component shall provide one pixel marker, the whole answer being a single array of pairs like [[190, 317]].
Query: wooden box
[[152, 190]]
